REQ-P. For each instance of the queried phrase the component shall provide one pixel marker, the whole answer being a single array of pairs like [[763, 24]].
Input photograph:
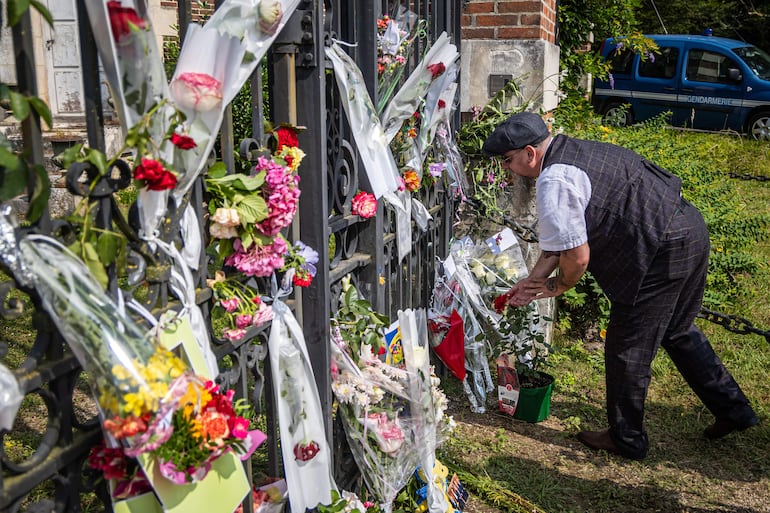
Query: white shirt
[[562, 193]]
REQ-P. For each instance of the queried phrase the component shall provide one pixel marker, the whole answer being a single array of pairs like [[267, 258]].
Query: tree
[[745, 20]]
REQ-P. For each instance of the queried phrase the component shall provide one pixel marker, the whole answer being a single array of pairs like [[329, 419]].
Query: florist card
[[145, 503], [176, 334], [221, 491]]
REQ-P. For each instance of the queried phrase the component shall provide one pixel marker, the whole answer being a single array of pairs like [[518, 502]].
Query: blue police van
[[706, 82]]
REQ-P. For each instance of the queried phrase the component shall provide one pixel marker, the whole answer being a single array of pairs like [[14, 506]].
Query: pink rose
[[230, 305], [243, 321], [197, 91], [364, 204]]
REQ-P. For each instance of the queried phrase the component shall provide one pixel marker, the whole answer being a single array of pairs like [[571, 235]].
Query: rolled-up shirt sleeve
[[562, 193]]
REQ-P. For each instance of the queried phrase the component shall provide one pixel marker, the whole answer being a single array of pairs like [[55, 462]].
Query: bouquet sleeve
[[371, 141], [406, 101]]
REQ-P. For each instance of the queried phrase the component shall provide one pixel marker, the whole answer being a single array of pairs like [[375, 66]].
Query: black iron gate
[[302, 92]]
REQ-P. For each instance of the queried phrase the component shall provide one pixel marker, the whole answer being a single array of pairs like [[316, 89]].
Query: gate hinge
[[301, 36]]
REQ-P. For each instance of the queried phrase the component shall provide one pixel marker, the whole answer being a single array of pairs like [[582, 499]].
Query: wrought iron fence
[[59, 420]]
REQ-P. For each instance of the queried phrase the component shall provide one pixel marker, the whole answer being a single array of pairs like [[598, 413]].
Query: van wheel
[[618, 114], [759, 126]]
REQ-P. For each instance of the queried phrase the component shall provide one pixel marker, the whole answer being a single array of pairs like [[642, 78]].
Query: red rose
[[122, 19], [436, 69], [155, 176], [286, 137], [441, 104], [183, 142], [501, 302]]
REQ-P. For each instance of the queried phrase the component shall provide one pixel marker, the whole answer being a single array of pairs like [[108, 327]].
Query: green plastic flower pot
[[534, 403]]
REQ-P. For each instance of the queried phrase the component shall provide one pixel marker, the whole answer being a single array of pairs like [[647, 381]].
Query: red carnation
[[286, 137]]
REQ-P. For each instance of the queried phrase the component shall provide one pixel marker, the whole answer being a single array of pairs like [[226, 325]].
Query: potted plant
[[522, 334]]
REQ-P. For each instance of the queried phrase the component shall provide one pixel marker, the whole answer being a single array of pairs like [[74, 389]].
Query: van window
[[662, 64], [621, 61], [757, 60], [705, 66]]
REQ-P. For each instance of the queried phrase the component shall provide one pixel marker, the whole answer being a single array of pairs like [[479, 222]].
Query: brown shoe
[[723, 427], [598, 441]]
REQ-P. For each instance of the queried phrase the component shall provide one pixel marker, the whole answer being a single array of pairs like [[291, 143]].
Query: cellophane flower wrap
[[458, 290], [395, 38], [367, 131], [150, 401], [373, 399], [440, 57]]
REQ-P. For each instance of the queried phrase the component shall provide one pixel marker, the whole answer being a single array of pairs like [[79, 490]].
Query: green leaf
[[98, 159], [15, 10], [13, 175], [107, 247], [43, 12], [19, 105], [218, 170], [42, 110], [94, 265], [252, 209], [40, 195]]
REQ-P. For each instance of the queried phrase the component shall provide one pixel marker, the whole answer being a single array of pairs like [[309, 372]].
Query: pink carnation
[[281, 195], [258, 260]]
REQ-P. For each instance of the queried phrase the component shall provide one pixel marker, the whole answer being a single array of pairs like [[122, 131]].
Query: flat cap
[[520, 130]]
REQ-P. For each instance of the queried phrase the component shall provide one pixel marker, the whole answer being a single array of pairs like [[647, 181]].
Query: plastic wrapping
[[439, 57], [370, 139], [393, 415], [143, 390], [10, 398]]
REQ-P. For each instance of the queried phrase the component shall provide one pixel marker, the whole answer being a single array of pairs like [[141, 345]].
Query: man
[[605, 209]]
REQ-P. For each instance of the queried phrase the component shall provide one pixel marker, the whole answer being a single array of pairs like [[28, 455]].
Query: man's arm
[[572, 264]]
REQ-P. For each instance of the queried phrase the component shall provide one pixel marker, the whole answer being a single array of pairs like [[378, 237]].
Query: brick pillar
[[510, 37], [515, 38]]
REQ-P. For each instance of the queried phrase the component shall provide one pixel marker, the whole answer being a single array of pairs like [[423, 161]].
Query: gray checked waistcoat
[[632, 203]]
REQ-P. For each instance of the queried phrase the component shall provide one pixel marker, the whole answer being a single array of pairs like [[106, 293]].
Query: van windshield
[[756, 59]]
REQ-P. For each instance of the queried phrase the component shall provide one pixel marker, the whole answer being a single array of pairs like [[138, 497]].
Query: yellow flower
[[603, 334], [120, 372], [382, 280], [134, 403]]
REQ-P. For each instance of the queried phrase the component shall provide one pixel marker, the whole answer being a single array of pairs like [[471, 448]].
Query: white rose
[[220, 231], [270, 15], [491, 278], [226, 217]]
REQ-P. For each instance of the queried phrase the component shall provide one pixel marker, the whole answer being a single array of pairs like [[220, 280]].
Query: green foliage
[[522, 335], [357, 321], [579, 20], [486, 174]]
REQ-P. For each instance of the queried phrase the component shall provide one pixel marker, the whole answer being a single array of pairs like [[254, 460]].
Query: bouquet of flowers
[[438, 59], [248, 212], [150, 400], [394, 46], [387, 410]]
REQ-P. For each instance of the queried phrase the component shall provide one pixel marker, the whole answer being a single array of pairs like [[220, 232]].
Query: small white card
[[502, 240]]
